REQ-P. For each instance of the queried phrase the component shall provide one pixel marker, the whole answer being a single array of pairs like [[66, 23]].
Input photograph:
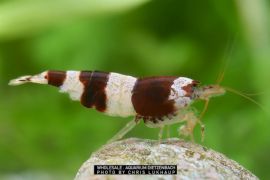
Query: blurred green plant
[[43, 131], [18, 18]]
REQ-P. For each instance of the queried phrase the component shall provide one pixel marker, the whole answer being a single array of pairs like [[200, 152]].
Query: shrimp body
[[159, 100]]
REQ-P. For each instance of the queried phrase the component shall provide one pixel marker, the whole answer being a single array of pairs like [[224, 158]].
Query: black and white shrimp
[[158, 101]]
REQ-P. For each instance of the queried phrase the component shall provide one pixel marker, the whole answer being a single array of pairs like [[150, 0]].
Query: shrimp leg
[[129, 126]]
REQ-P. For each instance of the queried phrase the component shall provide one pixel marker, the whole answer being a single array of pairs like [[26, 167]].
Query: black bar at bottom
[[135, 169]]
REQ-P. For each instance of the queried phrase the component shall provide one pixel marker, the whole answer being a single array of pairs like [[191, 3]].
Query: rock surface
[[193, 161]]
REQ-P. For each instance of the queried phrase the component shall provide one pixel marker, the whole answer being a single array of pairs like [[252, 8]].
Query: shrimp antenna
[[244, 96], [253, 94], [221, 76], [226, 58]]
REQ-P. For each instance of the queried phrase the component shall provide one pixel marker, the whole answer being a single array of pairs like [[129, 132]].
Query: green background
[[44, 135]]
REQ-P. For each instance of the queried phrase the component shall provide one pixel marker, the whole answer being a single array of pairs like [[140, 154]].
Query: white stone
[[193, 160]]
